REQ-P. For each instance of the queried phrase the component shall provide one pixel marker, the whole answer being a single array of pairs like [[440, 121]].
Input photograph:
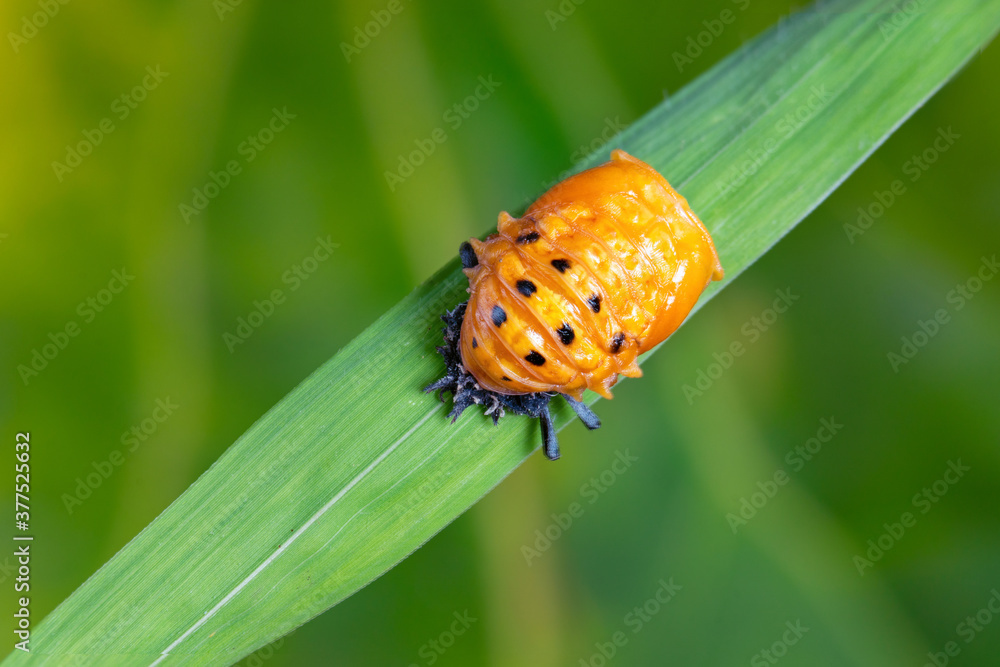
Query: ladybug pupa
[[603, 267]]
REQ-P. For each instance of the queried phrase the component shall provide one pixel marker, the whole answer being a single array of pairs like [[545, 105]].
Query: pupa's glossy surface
[[604, 266]]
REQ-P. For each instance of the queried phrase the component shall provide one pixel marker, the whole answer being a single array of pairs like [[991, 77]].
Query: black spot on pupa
[[566, 334], [526, 287], [595, 303], [468, 255], [530, 237], [506, 379], [535, 358], [475, 343], [561, 265], [467, 392], [499, 316], [617, 342]]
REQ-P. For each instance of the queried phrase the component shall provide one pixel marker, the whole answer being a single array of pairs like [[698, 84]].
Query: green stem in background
[[356, 468]]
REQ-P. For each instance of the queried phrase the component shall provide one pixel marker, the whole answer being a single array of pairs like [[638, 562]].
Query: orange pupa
[[603, 267]]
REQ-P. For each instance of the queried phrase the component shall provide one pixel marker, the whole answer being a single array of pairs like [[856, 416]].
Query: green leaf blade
[[356, 468]]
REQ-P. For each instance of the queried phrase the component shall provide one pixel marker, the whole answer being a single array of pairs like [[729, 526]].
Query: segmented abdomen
[[601, 268]]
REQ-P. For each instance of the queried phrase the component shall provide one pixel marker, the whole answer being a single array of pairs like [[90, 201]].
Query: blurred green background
[[566, 80]]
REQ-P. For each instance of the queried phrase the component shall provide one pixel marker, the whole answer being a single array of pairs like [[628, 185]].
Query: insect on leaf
[[356, 468]]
